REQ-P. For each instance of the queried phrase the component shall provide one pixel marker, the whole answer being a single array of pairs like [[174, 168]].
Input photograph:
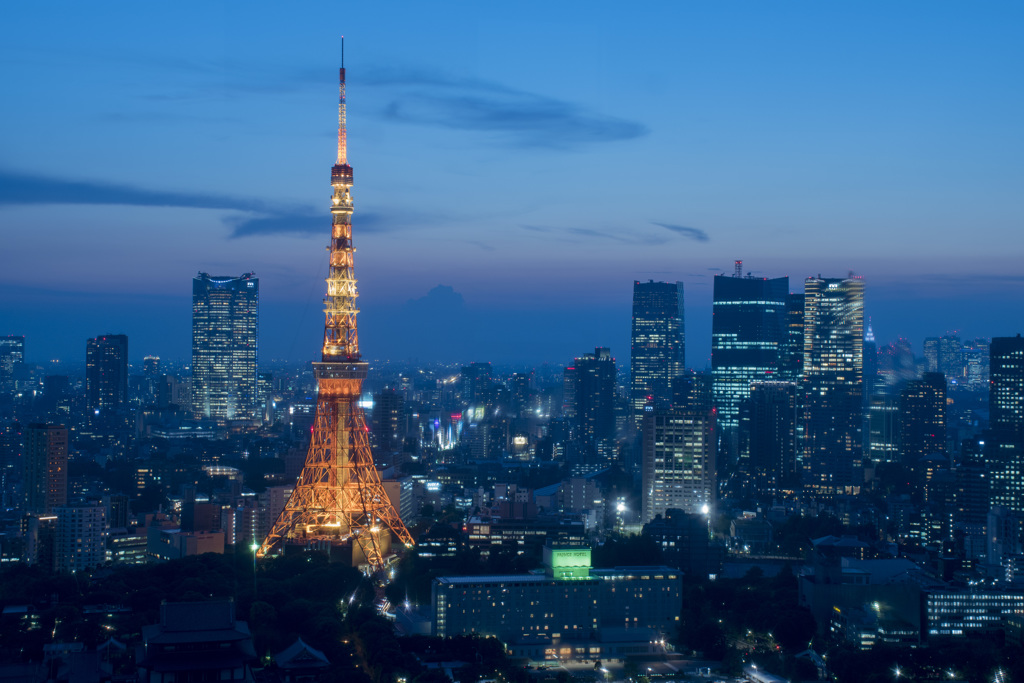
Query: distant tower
[[833, 376], [225, 327], [106, 373], [12, 355], [338, 498], [658, 344]]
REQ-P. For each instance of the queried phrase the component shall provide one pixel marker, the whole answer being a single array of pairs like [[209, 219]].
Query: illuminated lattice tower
[[338, 498]]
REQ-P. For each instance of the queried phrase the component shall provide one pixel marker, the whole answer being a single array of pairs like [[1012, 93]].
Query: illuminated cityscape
[[533, 460]]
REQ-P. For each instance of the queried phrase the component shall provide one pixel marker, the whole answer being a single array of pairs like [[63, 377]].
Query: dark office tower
[[12, 354], [870, 364], [475, 383], [896, 365], [106, 373], [225, 325], [922, 425], [1004, 447], [678, 468], [595, 405], [151, 366], [46, 468], [883, 429], [951, 361], [521, 386], [569, 393], [931, 354], [389, 425], [657, 346], [791, 367], [768, 457], [748, 333], [833, 367], [693, 390], [976, 356]]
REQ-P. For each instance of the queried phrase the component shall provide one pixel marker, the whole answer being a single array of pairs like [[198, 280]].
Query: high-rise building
[[950, 360], [388, 425], [833, 375], [922, 425], [976, 357], [593, 376], [80, 540], [657, 347], [792, 362], [106, 373], [883, 429], [931, 354], [12, 354], [768, 455], [749, 331], [678, 468], [870, 364], [46, 468], [923, 418], [1004, 447], [225, 326]]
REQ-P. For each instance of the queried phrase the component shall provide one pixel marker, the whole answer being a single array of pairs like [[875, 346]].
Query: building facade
[[106, 373], [46, 468], [749, 334], [678, 468], [225, 327], [657, 345], [833, 375]]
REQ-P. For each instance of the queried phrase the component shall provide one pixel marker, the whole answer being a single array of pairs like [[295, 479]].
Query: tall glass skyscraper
[[833, 377], [658, 343], [225, 326], [748, 335]]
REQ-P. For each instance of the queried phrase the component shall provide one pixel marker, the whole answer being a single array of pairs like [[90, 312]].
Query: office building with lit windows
[[225, 326], [749, 333], [1004, 445], [12, 356], [571, 611], [678, 468], [657, 346], [832, 384]]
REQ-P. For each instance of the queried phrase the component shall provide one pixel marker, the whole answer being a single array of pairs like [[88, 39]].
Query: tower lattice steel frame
[[339, 496]]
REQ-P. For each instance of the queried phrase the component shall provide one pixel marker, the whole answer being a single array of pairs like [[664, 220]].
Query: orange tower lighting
[[339, 497]]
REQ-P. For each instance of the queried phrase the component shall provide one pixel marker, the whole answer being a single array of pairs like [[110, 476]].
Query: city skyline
[[803, 140]]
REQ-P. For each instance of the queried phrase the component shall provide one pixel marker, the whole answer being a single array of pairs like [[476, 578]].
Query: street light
[[254, 547]]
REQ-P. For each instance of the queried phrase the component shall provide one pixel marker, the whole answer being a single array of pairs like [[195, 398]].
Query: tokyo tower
[[338, 498]]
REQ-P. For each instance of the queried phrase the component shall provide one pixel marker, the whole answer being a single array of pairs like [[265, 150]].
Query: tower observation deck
[[338, 498]]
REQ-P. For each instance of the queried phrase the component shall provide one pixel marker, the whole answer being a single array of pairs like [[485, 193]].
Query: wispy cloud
[[625, 236], [21, 188], [695, 234], [518, 118]]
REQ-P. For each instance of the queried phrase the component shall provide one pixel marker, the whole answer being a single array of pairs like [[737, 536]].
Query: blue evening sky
[[517, 166]]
